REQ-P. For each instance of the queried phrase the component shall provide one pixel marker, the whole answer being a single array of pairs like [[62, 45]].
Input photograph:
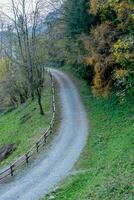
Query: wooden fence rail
[[25, 159]]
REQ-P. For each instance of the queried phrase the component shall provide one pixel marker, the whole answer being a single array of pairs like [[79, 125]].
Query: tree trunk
[[39, 102]]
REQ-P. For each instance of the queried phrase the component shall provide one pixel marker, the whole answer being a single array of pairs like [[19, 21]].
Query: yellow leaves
[[124, 48], [99, 67], [111, 44], [89, 60], [98, 90], [94, 6], [132, 17], [101, 85], [97, 5], [125, 12], [119, 73]]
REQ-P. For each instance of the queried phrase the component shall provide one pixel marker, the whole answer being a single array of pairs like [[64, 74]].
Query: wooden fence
[[25, 159]]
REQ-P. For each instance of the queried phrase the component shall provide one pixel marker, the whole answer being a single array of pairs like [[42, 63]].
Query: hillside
[[106, 167], [23, 126]]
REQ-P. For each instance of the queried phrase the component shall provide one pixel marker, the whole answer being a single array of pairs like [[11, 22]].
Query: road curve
[[54, 165]]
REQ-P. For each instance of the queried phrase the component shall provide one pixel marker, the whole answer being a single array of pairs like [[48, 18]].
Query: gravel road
[[53, 166]]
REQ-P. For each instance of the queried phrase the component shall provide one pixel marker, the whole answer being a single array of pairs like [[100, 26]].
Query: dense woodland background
[[99, 44], [93, 38]]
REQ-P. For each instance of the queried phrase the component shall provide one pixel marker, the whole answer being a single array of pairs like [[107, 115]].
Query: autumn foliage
[[111, 46]]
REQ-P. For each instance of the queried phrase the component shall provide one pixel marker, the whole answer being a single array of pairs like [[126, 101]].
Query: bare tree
[[23, 21], [25, 18]]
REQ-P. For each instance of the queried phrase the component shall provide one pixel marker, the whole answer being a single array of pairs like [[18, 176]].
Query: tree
[[111, 46], [26, 45], [78, 22]]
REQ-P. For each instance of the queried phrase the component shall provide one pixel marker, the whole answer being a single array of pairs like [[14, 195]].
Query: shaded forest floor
[[24, 125], [108, 156]]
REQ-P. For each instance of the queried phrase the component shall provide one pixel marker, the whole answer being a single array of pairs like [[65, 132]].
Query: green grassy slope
[[107, 162], [25, 125]]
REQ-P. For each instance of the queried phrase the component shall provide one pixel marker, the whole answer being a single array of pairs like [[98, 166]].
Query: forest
[[95, 39], [99, 44]]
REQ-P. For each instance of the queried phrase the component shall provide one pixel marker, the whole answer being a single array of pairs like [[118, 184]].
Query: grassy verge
[[107, 160], [25, 125]]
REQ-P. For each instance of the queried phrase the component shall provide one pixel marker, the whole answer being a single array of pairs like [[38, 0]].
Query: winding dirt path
[[52, 167]]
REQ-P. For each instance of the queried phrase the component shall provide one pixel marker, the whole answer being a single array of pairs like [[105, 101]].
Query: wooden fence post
[[50, 128], [27, 158], [11, 170], [37, 146], [45, 139]]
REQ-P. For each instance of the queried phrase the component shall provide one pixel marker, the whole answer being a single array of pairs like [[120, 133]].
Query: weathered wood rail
[[25, 159]]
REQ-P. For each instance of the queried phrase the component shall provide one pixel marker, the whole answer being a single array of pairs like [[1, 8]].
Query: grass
[[23, 126], [107, 162]]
